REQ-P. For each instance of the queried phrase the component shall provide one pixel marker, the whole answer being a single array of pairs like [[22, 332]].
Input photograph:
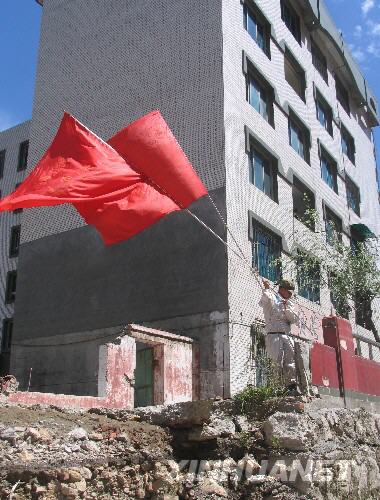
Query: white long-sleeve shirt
[[278, 317]]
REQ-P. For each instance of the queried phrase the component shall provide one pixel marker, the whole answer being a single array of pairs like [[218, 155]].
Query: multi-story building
[[13, 161], [267, 103]]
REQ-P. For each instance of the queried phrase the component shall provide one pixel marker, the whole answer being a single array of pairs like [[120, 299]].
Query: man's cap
[[287, 284]]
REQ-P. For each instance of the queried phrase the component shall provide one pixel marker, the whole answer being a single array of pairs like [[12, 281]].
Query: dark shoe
[[292, 390]]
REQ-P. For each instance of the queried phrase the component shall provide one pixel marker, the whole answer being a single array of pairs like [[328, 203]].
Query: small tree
[[350, 271]]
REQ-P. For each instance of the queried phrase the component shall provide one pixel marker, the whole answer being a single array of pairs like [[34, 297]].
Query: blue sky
[[359, 20]]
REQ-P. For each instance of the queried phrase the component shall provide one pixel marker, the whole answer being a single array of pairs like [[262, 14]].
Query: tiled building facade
[[13, 161], [267, 103]]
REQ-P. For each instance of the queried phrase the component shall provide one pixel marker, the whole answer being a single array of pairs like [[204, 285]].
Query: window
[[291, 19], [333, 226], [299, 137], [260, 95], [23, 155], [10, 291], [348, 144], [353, 196], [319, 61], [17, 210], [6, 337], [294, 74], [15, 241], [324, 113], [329, 171], [342, 95], [258, 27], [303, 200], [266, 250], [263, 173], [308, 279], [2, 162]]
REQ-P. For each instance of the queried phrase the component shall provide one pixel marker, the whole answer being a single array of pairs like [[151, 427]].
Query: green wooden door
[[144, 377]]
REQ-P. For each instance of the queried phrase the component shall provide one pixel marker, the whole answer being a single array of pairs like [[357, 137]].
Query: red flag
[[81, 169], [150, 148], [78, 166], [120, 199]]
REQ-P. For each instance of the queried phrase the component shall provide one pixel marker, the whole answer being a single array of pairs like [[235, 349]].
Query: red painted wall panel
[[324, 366]]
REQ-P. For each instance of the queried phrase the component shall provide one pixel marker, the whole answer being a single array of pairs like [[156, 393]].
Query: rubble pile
[[196, 450]]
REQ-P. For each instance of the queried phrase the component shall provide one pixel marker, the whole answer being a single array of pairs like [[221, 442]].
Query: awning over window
[[362, 231]]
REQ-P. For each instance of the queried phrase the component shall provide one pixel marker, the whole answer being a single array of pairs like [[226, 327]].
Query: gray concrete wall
[[70, 283]]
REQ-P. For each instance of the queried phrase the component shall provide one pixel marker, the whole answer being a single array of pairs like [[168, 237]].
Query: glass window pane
[[251, 25], [254, 95], [258, 172], [266, 249]]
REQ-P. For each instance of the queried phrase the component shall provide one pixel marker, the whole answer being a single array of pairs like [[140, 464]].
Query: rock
[[123, 437], [248, 466], [63, 475], [78, 434], [291, 431], [89, 446], [95, 436], [85, 473], [219, 426], [80, 485], [9, 434], [243, 424], [43, 436], [74, 476], [68, 491], [140, 493], [172, 466], [260, 479], [25, 456], [210, 487], [229, 464], [39, 491]]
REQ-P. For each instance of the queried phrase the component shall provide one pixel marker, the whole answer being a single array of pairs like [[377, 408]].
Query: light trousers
[[280, 349]]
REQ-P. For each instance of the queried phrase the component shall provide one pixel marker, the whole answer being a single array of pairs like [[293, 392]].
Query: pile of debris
[[196, 450]]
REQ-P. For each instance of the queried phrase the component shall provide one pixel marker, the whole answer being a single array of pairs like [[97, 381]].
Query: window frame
[[253, 76], [322, 105], [6, 335], [331, 216], [251, 11], [23, 155], [303, 136], [266, 269], [291, 63], [258, 150], [300, 187], [10, 289], [14, 241], [290, 16], [319, 61], [348, 140], [351, 184], [2, 162], [313, 293], [342, 95], [329, 161], [17, 210]]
